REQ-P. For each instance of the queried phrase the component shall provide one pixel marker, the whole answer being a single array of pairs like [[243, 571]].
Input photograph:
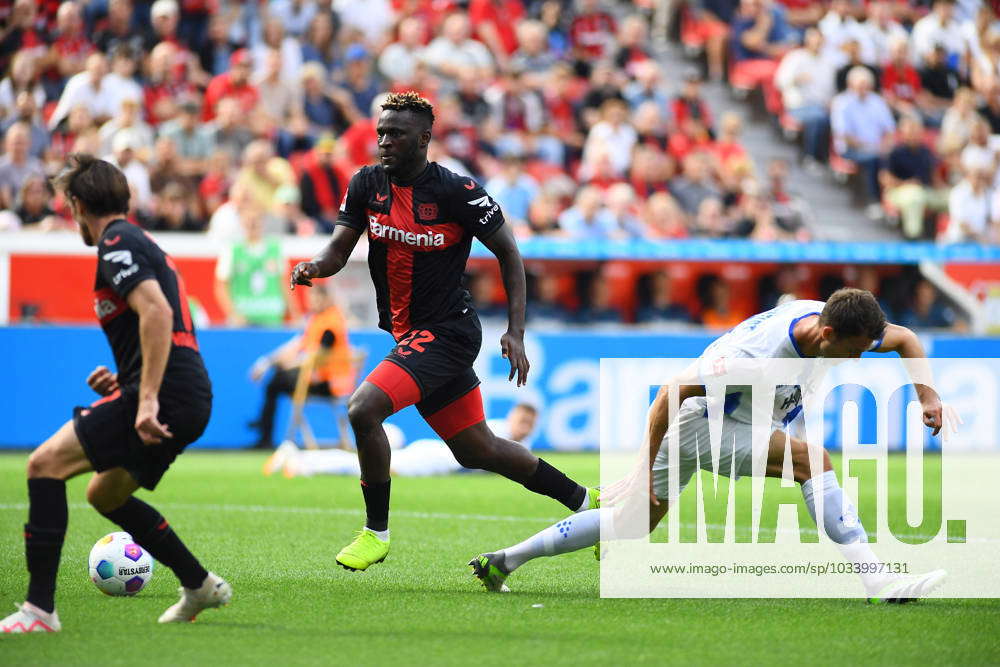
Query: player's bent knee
[[368, 407], [46, 462], [40, 464], [362, 415]]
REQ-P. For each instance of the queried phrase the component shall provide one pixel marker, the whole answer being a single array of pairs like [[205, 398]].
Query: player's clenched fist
[[103, 381], [303, 273]]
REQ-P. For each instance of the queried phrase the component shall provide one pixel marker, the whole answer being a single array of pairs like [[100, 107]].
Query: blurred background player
[[420, 219], [157, 403], [332, 374], [421, 458], [250, 274]]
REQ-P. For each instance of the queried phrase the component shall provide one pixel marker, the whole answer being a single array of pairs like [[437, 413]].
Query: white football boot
[[214, 592], [908, 588], [29, 618]]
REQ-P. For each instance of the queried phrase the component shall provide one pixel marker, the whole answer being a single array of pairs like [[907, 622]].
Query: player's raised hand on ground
[[103, 381], [512, 346], [933, 417], [150, 430], [303, 273]]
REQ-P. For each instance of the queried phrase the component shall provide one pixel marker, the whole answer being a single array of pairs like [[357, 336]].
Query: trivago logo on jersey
[[485, 202], [388, 232], [121, 257]]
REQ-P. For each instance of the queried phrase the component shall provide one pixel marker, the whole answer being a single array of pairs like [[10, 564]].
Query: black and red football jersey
[[419, 236], [126, 256]]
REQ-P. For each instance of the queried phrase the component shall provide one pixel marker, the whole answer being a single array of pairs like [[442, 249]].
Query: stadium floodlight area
[[925, 502]]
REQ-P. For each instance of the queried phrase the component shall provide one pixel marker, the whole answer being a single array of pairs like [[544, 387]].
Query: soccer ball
[[119, 566]]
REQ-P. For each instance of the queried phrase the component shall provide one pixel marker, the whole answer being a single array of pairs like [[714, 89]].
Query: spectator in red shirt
[[213, 187], [633, 36], [728, 148], [689, 105], [70, 49], [900, 80], [561, 107], [592, 32], [493, 22], [164, 84], [664, 218], [165, 16], [360, 143], [322, 185], [23, 34], [235, 83], [648, 121], [649, 171]]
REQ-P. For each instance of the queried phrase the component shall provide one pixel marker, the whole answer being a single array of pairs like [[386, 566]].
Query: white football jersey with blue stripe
[[767, 335]]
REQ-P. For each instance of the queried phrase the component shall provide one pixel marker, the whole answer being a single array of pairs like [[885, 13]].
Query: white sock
[[843, 526], [380, 534], [572, 533]]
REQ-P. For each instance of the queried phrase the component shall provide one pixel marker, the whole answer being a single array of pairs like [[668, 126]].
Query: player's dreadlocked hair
[[854, 312], [409, 101]]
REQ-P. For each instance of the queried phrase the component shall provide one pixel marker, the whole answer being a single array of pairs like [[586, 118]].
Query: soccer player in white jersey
[[847, 325]]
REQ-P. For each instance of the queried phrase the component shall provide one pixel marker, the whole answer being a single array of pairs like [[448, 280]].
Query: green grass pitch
[[275, 539]]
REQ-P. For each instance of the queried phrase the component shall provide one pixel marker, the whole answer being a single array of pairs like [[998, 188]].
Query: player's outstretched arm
[[156, 324], [502, 244], [907, 344], [658, 421], [330, 260]]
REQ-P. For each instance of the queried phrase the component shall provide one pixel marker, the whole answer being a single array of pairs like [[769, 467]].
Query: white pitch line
[[318, 510], [443, 516]]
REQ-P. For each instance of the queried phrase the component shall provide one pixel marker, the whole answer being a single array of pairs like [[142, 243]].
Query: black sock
[[43, 538], [154, 534], [551, 482], [376, 504]]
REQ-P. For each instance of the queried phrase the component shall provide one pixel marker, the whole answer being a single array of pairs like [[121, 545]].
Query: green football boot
[[366, 550], [489, 569]]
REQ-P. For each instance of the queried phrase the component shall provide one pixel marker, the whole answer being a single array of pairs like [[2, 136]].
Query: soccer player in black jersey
[[420, 220], [156, 403]]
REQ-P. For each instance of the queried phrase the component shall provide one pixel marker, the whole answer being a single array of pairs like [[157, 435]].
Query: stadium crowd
[[904, 94], [214, 107], [248, 118]]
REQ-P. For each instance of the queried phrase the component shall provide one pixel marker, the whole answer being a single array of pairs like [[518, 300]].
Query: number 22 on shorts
[[413, 342]]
